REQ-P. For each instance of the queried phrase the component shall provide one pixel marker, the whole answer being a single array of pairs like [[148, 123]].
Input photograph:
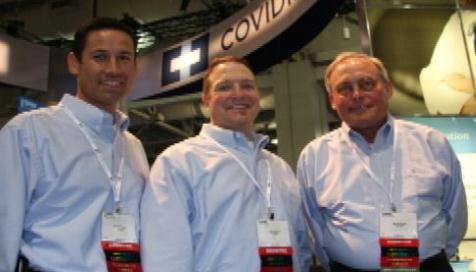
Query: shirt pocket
[[425, 184]]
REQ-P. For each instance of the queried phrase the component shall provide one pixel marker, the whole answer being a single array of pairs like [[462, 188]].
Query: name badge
[[399, 242], [275, 248], [120, 243]]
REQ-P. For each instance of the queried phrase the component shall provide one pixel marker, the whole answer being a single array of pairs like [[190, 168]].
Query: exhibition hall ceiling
[[159, 23]]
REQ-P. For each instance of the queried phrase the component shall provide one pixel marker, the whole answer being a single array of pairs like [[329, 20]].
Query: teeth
[[360, 108], [239, 106], [112, 83]]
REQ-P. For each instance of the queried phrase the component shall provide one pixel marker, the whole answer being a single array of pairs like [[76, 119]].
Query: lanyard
[[392, 168], [115, 181], [266, 195]]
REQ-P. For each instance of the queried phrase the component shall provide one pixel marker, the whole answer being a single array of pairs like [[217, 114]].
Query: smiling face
[[359, 94], [106, 69], [232, 97]]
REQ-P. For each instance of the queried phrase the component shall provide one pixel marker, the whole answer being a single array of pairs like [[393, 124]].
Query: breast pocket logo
[[186, 60]]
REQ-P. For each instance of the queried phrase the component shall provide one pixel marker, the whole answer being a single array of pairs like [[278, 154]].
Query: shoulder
[[184, 147], [183, 153], [330, 140], [421, 137], [131, 138], [277, 161], [32, 118], [411, 129]]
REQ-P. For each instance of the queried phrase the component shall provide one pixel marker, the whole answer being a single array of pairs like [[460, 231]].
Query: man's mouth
[[112, 83], [238, 107], [359, 109]]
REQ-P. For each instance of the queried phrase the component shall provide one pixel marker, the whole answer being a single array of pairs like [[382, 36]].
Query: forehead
[[231, 71], [356, 67], [108, 39]]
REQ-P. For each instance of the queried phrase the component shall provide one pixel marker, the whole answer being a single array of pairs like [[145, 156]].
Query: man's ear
[[389, 89], [205, 98], [331, 100], [73, 63]]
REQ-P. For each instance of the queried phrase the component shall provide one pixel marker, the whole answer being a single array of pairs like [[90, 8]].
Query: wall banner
[[461, 133], [264, 32]]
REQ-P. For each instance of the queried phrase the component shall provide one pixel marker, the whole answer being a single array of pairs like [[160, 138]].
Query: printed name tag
[[275, 248], [399, 242], [118, 228], [120, 243]]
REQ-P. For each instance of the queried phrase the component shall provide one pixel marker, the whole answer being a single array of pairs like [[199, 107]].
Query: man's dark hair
[[100, 23]]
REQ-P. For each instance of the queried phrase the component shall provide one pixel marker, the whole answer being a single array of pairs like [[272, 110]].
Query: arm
[[311, 209], [462, 83], [454, 205], [469, 106], [445, 82], [303, 250], [15, 170], [166, 241], [459, 82], [302, 244]]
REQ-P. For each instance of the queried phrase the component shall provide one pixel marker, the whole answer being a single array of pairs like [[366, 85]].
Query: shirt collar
[[232, 138], [384, 133], [93, 117]]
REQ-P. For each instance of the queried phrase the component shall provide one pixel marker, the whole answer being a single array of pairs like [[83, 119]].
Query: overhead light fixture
[[145, 39], [4, 57]]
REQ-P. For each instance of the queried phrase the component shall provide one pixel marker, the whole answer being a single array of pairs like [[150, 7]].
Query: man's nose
[[357, 91], [236, 90], [112, 66]]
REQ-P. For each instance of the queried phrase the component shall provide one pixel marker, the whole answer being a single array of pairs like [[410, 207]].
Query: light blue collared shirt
[[200, 210], [54, 191], [343, 202]]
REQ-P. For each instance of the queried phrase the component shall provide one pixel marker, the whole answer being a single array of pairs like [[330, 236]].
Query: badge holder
[[399, 242], [275, 248], [120, 243]]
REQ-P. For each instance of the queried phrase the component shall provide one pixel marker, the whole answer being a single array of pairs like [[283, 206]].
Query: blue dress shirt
[[54, 191], [343, 201], [200, 210]]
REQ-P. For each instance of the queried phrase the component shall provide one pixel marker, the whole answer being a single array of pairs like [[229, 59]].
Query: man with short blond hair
[[212, 197]]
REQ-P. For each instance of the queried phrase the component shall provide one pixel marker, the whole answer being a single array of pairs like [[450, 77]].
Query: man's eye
[[125, 58], [344, 89], [100, 57], [248, 86], [223, 87], [367, 84]]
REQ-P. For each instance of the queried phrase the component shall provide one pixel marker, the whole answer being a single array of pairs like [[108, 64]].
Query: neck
[[248, 132], [249, 135], [110, 108], [369, 133]]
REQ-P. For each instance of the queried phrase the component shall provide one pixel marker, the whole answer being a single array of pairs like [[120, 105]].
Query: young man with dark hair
[[74, 176]]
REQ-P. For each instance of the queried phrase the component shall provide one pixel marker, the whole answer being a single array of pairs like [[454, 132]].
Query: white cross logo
[[185, 61]]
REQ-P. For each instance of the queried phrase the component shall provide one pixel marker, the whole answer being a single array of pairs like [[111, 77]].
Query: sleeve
[[15, 171], [454, 204], [166, 209], [138, 155], [302, 247], [312, 213], [303, 250]]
